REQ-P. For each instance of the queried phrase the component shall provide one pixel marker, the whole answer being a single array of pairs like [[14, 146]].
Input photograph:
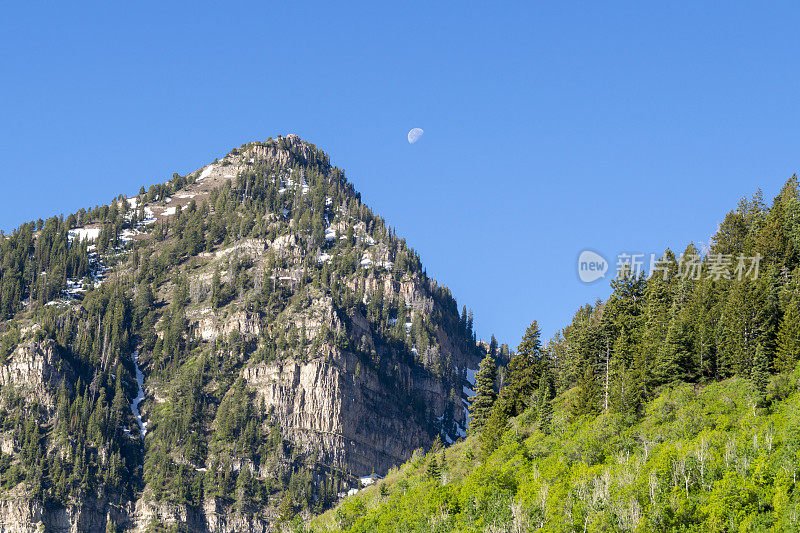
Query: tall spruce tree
[[523, 372], [587, 401], [787, 352], [760, 372], [481, 404]]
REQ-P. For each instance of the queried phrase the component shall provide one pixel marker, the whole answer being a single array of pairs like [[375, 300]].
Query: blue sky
[[549, 128]]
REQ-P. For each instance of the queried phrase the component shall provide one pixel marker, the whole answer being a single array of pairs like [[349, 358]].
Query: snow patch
[[471, 376], [205, 173], [371, 479], [469, 392], [139, 397], [127, 235], [84, 234]]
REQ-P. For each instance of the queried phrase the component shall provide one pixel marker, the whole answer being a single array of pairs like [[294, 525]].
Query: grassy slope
[[703, 459]]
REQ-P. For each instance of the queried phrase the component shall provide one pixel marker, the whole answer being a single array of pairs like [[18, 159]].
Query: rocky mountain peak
[[274, 337]]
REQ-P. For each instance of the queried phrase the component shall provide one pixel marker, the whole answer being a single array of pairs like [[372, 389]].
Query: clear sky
[[549, 128]]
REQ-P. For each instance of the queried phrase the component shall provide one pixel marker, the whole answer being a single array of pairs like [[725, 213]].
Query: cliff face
[[288, 343], [36, 370], [350, 417]]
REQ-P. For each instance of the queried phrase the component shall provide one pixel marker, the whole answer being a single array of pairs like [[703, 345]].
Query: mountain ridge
[[290, 342]]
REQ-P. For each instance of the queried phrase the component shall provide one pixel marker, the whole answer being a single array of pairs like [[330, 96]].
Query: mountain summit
[[222, 352]]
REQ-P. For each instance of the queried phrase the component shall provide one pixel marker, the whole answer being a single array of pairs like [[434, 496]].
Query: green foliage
[[522, 373], [787, 354], [629, 444], [481, 404], [696, 461]]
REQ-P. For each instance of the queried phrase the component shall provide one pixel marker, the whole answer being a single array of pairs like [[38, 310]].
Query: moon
[[414, 135]]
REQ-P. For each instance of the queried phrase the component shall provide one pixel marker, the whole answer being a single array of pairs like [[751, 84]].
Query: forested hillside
[[220, 352], [672, 405]]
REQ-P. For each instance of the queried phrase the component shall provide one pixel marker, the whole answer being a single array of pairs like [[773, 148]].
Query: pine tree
[[244, 488], [787, 353], [544, 407], [434, 472], [119, 404], [674, 358], [760, 372], [523, 372], [657, 314], [493, 346], [485, 395], [587, 401]]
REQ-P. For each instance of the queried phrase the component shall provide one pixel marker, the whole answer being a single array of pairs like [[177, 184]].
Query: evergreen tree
[[587, 400], [523, 373], [493, 346], [244, 489], [433, 471], [481, 404], [544, 406], [787, 353], [760, 372], [119, 404]]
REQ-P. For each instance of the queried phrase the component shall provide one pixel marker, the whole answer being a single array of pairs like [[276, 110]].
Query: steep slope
[[286, 341], [697, 460]]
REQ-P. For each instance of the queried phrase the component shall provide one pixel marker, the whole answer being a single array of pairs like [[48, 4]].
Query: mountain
[[222, 352]]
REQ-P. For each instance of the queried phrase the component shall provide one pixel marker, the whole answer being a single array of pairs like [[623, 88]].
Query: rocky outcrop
[[37, 368], [351, 414], [19, 514], [214, 516], [210, 325], [337, 408]]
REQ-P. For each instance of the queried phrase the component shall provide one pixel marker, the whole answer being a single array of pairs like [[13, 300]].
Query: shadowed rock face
[[358, 418], [354, 421]]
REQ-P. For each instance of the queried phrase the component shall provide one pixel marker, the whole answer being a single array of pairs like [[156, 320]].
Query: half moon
[[414, 135]]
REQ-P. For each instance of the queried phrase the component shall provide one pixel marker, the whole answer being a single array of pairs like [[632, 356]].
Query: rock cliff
[[288, 342]]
